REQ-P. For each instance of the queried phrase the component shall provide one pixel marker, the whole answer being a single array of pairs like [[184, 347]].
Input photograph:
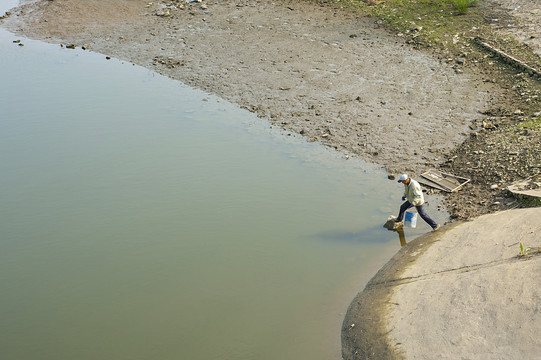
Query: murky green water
[[140, 219]]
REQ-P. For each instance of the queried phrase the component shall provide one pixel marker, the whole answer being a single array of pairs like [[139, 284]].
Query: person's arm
[[417, 194]]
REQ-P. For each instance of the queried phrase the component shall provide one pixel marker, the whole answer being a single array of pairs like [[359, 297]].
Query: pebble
[[162, 13]]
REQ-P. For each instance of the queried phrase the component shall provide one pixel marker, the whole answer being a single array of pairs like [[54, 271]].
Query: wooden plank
[[443, 181], [432, 184], [463, 181], [508, 58]]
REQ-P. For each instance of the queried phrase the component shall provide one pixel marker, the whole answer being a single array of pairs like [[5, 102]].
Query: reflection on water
[[401, 237], [141, 219], [368, 235]]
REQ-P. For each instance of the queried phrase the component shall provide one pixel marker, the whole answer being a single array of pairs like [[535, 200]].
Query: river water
[[142, 219]]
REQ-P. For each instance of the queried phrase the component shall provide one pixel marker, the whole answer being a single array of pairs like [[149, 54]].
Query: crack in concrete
[[462, 269]]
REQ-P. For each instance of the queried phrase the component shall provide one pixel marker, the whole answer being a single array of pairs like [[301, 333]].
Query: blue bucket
[[411, 218]]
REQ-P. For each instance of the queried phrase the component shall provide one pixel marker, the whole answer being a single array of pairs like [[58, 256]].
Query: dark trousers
[[405, 206]]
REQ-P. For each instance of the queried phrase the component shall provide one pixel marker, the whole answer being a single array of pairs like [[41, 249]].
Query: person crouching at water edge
[[414, 197]]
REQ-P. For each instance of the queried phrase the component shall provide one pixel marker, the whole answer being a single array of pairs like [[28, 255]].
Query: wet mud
[[325, 73]]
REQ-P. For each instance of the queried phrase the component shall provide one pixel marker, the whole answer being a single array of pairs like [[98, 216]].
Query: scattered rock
[[487, 125], [163, 13], [392, 224], [169, 62]]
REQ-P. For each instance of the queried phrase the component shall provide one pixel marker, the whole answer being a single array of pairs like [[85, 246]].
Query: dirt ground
[[326, 73], [527, 27]]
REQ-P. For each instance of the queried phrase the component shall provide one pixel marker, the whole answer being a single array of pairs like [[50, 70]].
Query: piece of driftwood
[[508, 58], [442, 181]]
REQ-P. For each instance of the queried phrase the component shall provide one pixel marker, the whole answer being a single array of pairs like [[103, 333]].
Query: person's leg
[[403, 209], [425, 216]]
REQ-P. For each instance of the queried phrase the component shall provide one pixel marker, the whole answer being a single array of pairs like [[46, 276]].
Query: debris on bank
[[442, 181], [508, 58], [169, 62], [527, 189], [5, 16]]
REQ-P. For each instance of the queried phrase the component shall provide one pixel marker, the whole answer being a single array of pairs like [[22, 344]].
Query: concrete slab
[[470, 295], [529, 188], [464, 292]]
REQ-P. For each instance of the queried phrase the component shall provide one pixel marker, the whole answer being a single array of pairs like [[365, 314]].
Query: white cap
[[402, 177]]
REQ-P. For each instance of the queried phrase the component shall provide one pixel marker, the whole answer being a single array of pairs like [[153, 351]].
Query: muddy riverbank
[[325, 73]]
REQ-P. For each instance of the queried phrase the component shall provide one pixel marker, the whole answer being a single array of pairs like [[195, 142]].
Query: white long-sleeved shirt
[[413, 193]]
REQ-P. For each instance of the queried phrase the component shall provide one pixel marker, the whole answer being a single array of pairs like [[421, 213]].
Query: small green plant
[[534, 124], [523, 252], [462, 5], [528, 251], [530, 202]]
